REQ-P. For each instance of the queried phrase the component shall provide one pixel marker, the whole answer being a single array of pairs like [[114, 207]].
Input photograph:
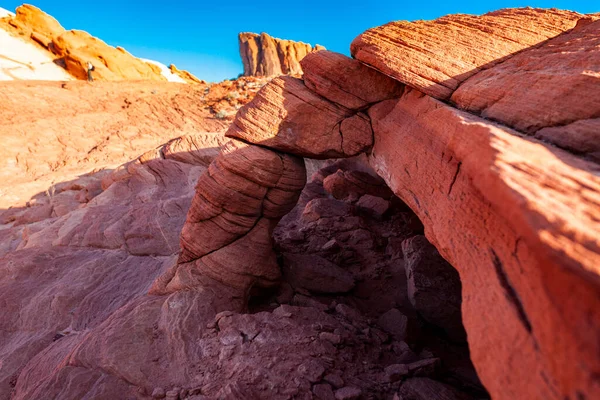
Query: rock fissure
[[454, 178], [510, 291]]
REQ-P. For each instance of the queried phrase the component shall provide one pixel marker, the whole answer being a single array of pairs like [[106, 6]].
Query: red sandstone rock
[[560, 77], [263, 55], [185, 75], [286, 116], [55, 132], [437, 56], [246, 191], [354, 184], [518, 220], [316, 274], [433, 286], [346, 81], [34, 22]]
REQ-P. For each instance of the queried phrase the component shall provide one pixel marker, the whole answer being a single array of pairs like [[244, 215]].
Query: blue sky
[[201, 36]]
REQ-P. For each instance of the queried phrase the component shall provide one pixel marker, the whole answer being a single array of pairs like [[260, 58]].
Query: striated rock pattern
[[287, 116], [437, 56], [238, 203], [348, 83], [516, 217], [494, 216], [513, 215], [55, 132], [263, 55], [560, 77]]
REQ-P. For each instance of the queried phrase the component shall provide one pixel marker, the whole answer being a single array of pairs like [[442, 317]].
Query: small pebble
[[348, 393], [158, 393]]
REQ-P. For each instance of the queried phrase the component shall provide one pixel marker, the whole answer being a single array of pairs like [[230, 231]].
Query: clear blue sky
[[201, 36]]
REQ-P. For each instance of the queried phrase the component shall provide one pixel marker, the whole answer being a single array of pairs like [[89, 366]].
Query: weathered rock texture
[[560, 77], [263, 55], [519, 220], [433, 286], [55, 132], [287, 116], [437, 56], [73, 49], [516, 217], [238, 203]]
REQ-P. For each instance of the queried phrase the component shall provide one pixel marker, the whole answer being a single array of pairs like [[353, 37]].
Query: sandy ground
[[20, 60]]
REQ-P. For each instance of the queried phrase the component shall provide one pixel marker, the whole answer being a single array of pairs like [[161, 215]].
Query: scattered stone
[[404, 353], [323, 391], [351, 314], [348, 393], [434, 287], [325, 208], [305, 301], [158, 393], [425, 367], [428, 389], [394, 372], [332, 245], [395, 323], [330, 337], [335, 380], [285, 293], [312, 370], [316, 274], [283, 310], [375, 205], [173, 394]]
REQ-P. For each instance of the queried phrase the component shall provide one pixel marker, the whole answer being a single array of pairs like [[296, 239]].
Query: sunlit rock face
[[427, 183]]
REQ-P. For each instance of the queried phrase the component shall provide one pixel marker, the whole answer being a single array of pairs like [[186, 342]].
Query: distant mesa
[[72, 49], [263, 55]]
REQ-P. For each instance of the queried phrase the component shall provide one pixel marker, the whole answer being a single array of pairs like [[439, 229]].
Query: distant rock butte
[[263, 55], [73, 49]]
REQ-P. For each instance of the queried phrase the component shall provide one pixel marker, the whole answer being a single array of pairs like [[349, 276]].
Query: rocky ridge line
[[263, 55]]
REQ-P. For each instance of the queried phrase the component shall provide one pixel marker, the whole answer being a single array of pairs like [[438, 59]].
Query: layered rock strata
[[263, 55], [515, 216]]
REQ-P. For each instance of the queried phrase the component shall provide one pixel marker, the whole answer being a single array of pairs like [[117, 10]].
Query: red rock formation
[[238, 203], [348, 83], [437, 56], [514, 216], [74, 49], [185, 75], [54, 131], [517, 218], [559, 77], [263, 55], [287, 116]]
